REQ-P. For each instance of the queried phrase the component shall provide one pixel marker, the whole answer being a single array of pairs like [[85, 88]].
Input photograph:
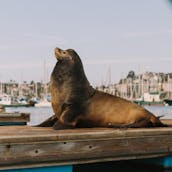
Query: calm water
[[37, 115], [161, 110]]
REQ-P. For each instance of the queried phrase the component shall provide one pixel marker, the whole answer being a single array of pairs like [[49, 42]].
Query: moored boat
[[168, 102], [43, 103], [5, 100], [152, 98], [8, 101]]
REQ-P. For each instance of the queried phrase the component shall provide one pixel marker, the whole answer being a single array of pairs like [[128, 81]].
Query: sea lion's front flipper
[[68, 118], [48, 122], [60, 126]]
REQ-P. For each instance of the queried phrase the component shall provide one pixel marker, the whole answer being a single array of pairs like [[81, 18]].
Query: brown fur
[[77, 104]]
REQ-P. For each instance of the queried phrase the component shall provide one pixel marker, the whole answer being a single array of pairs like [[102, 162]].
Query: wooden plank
[[14, 117], [26, 133], [24, 146]]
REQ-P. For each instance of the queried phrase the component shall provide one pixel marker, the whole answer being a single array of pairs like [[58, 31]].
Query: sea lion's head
[[70, 62], [66, 55], [69, 75]]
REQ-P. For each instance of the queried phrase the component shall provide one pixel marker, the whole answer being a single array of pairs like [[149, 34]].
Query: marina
[[148, 88]]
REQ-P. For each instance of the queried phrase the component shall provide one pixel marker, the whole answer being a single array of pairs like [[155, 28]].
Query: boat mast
[[45, 91], [1, 88], [36, 90], [169, 84]]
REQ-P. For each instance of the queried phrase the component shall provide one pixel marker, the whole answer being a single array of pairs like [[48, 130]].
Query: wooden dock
[[14, 118], [25, 147]]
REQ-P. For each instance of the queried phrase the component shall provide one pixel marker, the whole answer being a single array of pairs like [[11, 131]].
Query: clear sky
[[111, 36]]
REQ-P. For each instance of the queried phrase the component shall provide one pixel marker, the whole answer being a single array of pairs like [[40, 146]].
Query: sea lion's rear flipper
[[48, 122], [145, 123], [59, 126], [141, 123]]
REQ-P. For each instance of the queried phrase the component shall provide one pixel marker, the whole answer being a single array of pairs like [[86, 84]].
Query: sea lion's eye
[[64, 52]]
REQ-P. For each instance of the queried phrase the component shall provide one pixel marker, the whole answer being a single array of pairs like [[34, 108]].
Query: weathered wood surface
[[24, 146], [14, 117]]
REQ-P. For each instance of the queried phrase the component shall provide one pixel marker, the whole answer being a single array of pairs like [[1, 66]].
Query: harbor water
[[37, 114]]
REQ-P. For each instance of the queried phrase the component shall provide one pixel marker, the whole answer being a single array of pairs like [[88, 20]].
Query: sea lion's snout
[[57, 52], [62, 54]]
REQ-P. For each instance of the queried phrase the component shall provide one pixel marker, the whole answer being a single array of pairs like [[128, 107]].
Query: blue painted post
[[67, 168], [12, 123], [165, 162]]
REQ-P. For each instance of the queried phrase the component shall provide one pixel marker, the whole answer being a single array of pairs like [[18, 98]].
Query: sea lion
[[77, 104]]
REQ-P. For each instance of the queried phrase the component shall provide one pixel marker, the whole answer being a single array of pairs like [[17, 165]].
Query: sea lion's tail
[[160, 116]]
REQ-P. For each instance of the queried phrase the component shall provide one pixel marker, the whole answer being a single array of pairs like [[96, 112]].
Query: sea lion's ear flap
[[71, 58]]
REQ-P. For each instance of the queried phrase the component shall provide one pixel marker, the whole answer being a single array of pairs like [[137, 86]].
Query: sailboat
[[5, 100], [43, 103], [46, 101], [168, 101]]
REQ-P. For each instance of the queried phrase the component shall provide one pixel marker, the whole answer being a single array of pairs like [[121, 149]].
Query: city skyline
[[115, 36]]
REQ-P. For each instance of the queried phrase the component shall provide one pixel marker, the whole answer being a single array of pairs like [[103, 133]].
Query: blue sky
[[109, 35]]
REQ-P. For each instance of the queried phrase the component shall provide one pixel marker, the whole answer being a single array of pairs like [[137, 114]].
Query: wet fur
[[76, 104]]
